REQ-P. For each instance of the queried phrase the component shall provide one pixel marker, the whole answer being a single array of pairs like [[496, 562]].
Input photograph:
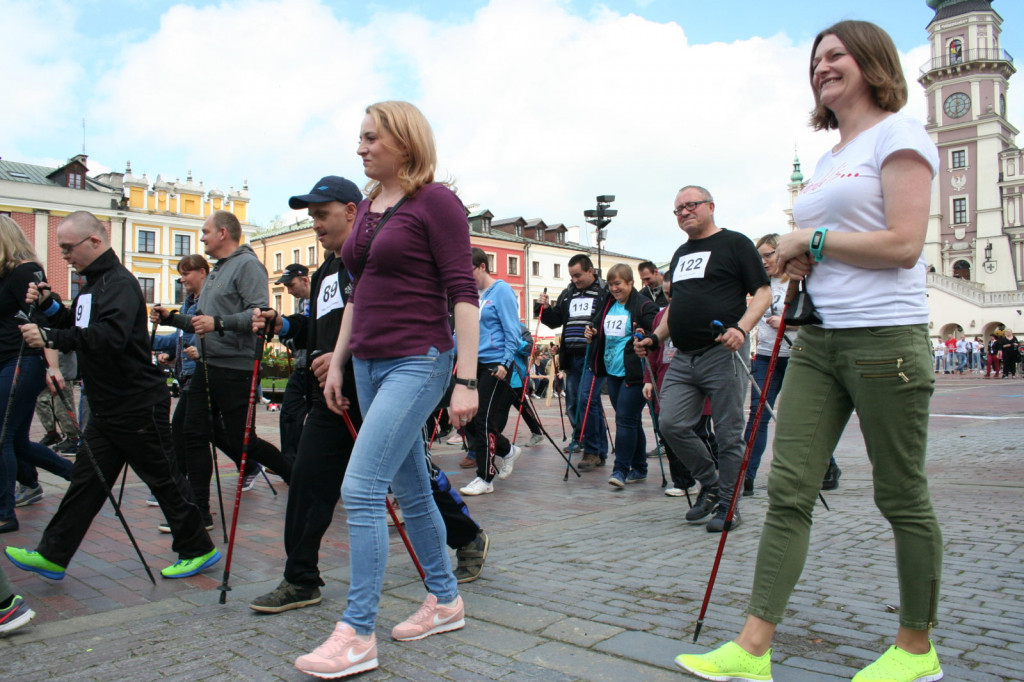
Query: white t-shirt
[[766, 334], [845, 195]]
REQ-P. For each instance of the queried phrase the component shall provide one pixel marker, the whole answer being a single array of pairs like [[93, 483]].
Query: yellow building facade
[[279, 247]]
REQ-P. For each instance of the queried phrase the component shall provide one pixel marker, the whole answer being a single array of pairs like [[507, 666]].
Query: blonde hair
[[14, 246], [416, 145], [772, 240]]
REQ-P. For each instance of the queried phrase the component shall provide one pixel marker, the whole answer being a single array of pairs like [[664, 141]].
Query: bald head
[[82, 224], [82, 239]]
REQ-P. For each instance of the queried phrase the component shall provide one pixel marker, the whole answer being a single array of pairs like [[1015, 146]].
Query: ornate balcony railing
[[977, 55]]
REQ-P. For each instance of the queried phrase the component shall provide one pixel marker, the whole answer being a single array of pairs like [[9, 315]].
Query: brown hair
[[480, 258], [879, 62], [193, 262], [620, 271]]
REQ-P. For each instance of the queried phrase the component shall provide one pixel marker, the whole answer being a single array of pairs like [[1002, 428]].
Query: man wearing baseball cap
[[325, 444], [295, 404]]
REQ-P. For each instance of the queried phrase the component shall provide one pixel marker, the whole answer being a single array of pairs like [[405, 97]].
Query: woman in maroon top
[[409, 254]]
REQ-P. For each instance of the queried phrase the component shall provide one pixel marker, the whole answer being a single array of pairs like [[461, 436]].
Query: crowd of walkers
[[406, 334]]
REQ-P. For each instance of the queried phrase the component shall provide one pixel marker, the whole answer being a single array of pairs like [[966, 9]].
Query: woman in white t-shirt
[[862, 218]]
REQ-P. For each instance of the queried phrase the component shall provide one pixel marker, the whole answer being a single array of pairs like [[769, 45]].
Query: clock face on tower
[[957, 105]]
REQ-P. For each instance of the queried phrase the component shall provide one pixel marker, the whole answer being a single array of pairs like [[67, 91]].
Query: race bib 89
[[330, 296]]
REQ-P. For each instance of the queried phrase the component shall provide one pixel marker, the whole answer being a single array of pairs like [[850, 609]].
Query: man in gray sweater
[[236, 285]]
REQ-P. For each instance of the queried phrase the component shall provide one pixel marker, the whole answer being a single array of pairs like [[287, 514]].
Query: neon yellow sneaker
[[896, 665], [35, 562], [728, 663], [184, 568]]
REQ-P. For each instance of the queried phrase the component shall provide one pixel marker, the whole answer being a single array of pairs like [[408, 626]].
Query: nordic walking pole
[[544, 430], [391, 510], [14, 381], [639, 334], [526, 380], [583, 429], [561, 414], [212, 427], [718, 328], [84, 447], [790, 295], [261, 339]]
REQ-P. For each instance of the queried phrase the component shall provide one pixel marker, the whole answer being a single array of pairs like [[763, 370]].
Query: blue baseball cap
[[329, 188]]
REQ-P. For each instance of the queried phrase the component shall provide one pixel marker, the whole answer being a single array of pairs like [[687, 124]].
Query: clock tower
[[965, 84]]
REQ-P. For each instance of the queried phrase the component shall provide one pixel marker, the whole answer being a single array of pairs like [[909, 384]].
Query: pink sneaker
[[431, 619], [343, 654]]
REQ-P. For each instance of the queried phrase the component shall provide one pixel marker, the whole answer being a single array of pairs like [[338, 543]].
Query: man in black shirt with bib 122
[[712, 274]]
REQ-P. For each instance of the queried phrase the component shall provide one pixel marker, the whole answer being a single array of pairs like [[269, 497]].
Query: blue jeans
[[759, 368], [577, 387], [395, 395], [630, 441], [16, 445]]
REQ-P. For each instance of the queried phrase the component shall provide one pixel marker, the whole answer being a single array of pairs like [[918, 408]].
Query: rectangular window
[[513, 265], [958, 158], [147, 242], [148, 285], [179, 292], [277, 301], [76, 180], [77, 282], [490, 262], [182, 245], [277, 264], [311, 255], [960, 211], [558, 271], [536, 268], [295, 255]]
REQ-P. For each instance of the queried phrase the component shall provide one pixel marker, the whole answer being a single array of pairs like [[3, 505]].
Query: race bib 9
[[329, 296], [581, 306], [616, 325], [83, 310], [691, 266]]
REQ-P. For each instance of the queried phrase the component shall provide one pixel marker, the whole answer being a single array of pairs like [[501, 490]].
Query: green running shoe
[[184, 568], [35, 562], [727, 663], [897, 665]]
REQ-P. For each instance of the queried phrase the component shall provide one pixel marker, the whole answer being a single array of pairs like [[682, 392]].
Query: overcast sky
[[538, 105]]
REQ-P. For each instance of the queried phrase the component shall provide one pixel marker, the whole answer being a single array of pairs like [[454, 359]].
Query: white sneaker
[[455, 440], [508, 462], [674, 492], [535, 439], [477, 486]]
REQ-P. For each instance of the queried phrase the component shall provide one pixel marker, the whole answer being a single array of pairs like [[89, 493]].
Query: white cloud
[[39, 73], [536, 110]]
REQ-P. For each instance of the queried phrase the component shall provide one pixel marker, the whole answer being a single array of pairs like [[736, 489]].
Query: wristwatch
[[818, 243], [468, 383]]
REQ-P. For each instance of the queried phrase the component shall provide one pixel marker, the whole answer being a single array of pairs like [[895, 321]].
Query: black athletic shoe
[[748, 487], [717, 522], [707, 499], [286, 596], [832, 474]]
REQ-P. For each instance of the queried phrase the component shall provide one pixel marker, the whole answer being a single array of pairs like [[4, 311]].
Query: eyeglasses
[[65, 250], [689, 206], [766, 256]]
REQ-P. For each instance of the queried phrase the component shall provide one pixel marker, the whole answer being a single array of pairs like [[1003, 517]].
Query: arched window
[[962, 270], [956, 51]]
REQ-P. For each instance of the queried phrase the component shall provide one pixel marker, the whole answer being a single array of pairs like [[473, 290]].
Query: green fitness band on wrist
[[818, 243]]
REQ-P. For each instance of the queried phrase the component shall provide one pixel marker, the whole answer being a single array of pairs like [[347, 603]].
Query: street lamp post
[[600, 218]]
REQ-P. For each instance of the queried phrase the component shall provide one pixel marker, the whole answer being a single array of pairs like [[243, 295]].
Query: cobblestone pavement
[[582, 581]]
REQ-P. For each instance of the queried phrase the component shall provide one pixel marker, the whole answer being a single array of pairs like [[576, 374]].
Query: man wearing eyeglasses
[[712, 274], [107, 326]]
